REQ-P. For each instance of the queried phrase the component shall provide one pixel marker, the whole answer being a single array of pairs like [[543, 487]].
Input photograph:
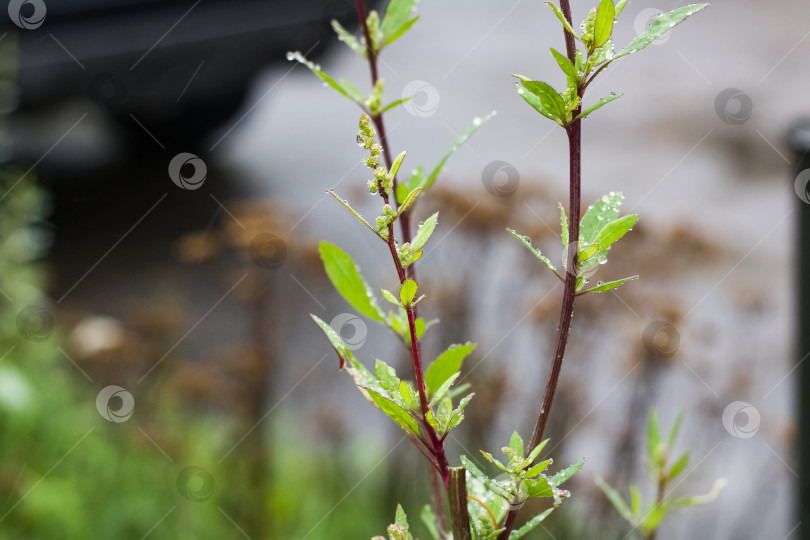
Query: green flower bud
[[588, 26], [374, 32], [374, 102], [382, 228]]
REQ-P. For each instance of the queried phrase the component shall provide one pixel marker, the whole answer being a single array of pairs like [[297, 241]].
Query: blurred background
[[163, 177]]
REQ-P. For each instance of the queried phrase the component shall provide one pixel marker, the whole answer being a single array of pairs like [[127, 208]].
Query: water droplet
[[360, 141], [290, 56], [605, 199], [419, 226], [671, 25], [613, 93], [476, 121], [520, 91], [494, 113]]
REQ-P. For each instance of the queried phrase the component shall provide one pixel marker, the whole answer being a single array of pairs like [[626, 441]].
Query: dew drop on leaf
[[360, 140]]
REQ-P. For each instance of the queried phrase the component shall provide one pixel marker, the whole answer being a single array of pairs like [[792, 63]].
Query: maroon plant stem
[[437, 445], [574, 131], [404, 220]]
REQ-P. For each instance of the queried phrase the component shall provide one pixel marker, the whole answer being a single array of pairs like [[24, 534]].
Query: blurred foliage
[[67, 472]]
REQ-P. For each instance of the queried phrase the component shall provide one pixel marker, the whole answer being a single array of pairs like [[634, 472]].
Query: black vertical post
[[799, 140]]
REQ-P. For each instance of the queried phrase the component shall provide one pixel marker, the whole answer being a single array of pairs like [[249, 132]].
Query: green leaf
[[563, 20], [566, 65], [402, 29], [516, 443], [615, 230], [616, 499], [407, 292], [608, 285], [352, 90], [535, 102], [345, 203], [407, 202], [458, 413], [604, 101], [635, 501], [346, 278], [386, 375], [402, 193], [448, 363], [393, 104], [588, 252], [394, 411], [346, 37], [676, 427], [388, 295], [536, 451], [658, 27], [420, 327], [431, 523], [408, 397], [679, 466], [620, 6], [537, 469], [358, 371], [526, 241], [559, 478], [653, 434], [653, 517], [497, 463], [539, 487], [401, 518], [441, 391], [316, 69], [698, 500], [529, 525], [424, 231], [603, 211], [603, 26], [417, 178], [397, 162], [488, 482], [434, 174], [397, 15], [564, 226], [551, 100]]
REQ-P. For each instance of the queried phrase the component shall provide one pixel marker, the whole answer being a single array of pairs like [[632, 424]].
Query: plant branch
[[457, 498], [574, 130], [659, 498], [377, 119]]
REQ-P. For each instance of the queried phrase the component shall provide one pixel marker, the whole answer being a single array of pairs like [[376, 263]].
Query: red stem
[[574, 131]]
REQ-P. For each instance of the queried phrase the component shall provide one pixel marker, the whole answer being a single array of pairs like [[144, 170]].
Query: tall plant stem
[[574, 130], [569, 292], [377, 120]]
